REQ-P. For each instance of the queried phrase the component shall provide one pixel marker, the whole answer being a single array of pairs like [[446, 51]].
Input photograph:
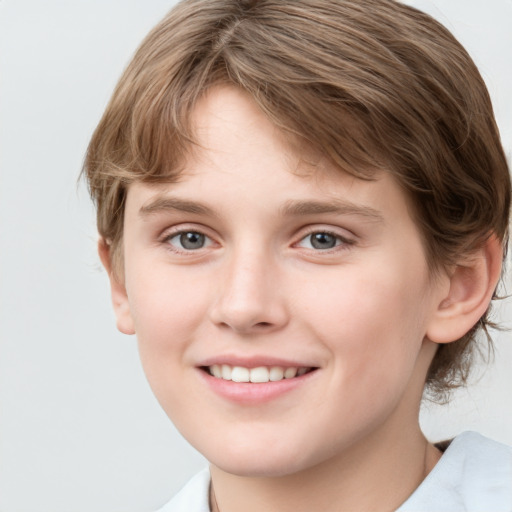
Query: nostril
[[263, 324]]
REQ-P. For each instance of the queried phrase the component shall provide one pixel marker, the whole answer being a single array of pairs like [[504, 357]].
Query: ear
[[120, 302], [471, 287]]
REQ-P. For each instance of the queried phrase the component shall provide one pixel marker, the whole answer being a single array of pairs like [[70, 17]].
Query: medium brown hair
[[371, 84]]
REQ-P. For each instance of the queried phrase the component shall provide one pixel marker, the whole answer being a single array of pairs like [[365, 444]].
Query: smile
[[261, 374]]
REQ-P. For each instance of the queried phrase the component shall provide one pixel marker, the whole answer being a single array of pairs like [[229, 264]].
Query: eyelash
[[179, 233], [341, 242]]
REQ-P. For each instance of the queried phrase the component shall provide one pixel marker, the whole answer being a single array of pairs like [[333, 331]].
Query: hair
[[370, 84]]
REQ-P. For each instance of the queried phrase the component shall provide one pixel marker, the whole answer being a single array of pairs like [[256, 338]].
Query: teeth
[[260, 374], [226, 372], [240, 374], [276, 373], [289, 373], [256, 375]]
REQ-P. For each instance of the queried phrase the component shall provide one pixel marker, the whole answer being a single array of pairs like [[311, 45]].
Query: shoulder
[[193, 497], [474, 474]]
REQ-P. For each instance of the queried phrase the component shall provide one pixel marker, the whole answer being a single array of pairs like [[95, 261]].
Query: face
[[280, 310]]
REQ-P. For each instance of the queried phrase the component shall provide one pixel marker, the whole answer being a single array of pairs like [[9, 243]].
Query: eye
[[189, 241], [322, 240]]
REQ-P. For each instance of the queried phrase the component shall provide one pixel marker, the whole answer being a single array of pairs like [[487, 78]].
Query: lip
[[248, 393], [255, 362]]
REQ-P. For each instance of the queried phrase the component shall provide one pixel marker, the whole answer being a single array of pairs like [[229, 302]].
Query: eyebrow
[[303, 208], [290, 208], [163, 204]]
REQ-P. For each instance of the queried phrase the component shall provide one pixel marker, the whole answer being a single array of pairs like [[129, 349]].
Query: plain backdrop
[[79, 428]]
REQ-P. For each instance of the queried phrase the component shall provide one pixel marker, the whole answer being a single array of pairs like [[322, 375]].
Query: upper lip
[[255, 362]]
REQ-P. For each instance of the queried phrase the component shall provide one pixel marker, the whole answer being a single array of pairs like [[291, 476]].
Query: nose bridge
[[249, 297]]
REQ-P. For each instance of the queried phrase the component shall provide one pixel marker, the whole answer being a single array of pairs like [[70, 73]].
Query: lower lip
[[254, 393]]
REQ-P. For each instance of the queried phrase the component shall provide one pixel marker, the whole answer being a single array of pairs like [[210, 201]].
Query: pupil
[[323, 241], [192, 240]]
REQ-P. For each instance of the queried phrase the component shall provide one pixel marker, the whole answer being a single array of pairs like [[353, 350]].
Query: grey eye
[[183, 242], [191, 240], [323, 240]]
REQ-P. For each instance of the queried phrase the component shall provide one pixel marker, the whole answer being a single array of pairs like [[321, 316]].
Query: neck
[[377, 473]]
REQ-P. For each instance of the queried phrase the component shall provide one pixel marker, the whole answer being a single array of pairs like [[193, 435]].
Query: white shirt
[[473, 475]]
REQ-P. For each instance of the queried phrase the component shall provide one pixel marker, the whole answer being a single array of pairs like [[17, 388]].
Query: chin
[[260, 468], [261, 461]]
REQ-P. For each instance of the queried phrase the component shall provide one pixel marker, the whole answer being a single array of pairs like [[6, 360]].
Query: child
[[303, 210]]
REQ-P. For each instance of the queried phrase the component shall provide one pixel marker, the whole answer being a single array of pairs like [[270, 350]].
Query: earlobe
[[472, 285], [119, 296]]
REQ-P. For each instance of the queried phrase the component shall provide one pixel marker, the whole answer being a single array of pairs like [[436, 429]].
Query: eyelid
[[174, 231], [344, 239], [184, 227]]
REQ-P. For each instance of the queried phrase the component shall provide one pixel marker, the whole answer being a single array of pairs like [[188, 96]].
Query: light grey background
[[79, 428]]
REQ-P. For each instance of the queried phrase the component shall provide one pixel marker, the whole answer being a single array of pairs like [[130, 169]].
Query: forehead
[[226, 121], [240, 154], [234, 135]]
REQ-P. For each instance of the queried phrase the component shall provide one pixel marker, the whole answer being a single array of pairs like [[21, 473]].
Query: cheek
[[165, 304], [167, 315], [168, 309], [372, 329], [372, 322]]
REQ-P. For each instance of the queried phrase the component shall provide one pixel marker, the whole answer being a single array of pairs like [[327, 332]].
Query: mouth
[[257, 375]]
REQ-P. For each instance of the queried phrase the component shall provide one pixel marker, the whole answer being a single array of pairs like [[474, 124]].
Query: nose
[[249, 299]]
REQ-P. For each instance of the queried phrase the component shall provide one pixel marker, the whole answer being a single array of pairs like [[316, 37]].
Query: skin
[[364, 313]]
